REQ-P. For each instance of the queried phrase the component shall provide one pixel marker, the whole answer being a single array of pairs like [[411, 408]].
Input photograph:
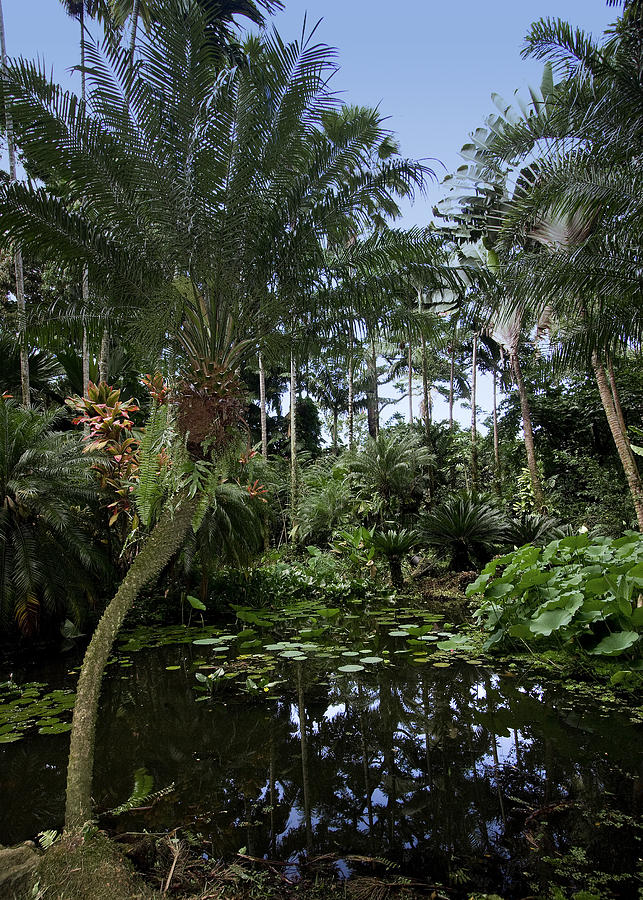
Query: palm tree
[[17, 252], [579, 198], [186, 205]]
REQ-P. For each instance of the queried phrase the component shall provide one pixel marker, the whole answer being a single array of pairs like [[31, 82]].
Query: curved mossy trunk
[[166, 538]]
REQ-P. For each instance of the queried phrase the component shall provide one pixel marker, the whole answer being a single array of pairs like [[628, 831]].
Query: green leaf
[[616, 643], [195, 603], [551, 620], [351, 668]]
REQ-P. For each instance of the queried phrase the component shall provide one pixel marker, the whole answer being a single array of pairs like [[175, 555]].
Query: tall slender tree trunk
[[616, 397], [293, 439], [528, 431], [17, 253], [426, 393], [372, 400], [335, 420], [451, 380], [351, 393], [620, 439], [85, 282], [474, 417], [132, 43], [410, 362], [496, 442], [103, 359], [162, 544], [262, 408]]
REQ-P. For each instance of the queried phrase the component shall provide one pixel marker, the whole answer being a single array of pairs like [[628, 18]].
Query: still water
[[458, 775]]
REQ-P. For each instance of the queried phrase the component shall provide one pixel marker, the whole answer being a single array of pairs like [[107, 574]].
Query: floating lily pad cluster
[[29, 707]]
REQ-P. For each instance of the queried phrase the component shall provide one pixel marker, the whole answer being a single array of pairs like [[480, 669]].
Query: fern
[[141, 793], [150, 487]]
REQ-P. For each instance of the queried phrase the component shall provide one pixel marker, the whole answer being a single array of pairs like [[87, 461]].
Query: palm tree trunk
[[372, 400], [293, 439], [162, 544], [410, 361], [620, 439], [262, 408], [351, 395], [496, 442], [426, 398], [132, 44], [528, 431], [474, 418], [17, 253], [451, 380], [103, 359], [85, 284], [335, 418], [616, 396]]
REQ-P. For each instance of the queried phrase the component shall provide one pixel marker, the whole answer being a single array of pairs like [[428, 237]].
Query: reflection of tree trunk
[[160, 547], [528, 431], [388, 729], [494, 751], [304, 759], [496, 442], [474, 418], [293, 439], [365, 767], [273, 792], [262, 408], [17, 254], [620, 439]]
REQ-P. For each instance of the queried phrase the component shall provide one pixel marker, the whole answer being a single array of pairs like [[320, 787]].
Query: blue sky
[[429, 65]]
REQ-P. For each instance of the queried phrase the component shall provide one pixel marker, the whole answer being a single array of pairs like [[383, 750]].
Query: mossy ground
[[89, 868]]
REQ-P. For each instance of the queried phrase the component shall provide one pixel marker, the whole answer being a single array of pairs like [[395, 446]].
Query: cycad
[[200, 201], [466, 529], [47, 489]]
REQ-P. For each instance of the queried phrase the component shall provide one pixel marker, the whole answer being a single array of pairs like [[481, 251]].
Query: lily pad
[[371, 659], [351, 668]]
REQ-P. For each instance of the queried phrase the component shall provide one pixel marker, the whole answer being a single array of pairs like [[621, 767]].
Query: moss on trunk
[[162, 544]]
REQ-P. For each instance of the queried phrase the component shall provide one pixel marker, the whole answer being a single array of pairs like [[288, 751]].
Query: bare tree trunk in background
[[620, 439], [496, 443], [262, 408], [335, 418], [85, 285], [103, 359], [410, 362], [17, 253], [351, 391], [293, 439], [451, 379], [426, 393], [528, 431], [371, 391], [474, 418]]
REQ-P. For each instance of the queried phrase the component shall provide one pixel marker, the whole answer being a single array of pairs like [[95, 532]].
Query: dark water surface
[[452, 773]]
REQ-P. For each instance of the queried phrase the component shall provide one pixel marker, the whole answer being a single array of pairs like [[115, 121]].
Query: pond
[[345, 743]]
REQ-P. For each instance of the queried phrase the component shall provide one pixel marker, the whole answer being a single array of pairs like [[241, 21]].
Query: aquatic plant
[[575, 590]]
